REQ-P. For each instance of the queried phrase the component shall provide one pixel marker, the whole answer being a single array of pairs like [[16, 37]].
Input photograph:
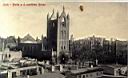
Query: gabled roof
[[28, 39]]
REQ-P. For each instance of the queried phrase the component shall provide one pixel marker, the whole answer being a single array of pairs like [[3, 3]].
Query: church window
[[63, 24], [6, 56], [64, 34], [83, 76], [64, 47], [53, 24], [87, 75], [61, 47]]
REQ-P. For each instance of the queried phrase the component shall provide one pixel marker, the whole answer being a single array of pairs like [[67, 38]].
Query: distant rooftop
[[46, 75], [28, 39], [86, 70], [114, 65]]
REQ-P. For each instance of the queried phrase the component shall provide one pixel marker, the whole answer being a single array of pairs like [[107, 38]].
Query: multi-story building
[[10, 55], [121, 51], [106, 51]]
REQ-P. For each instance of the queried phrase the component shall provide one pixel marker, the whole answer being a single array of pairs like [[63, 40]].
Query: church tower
[[58, 33]]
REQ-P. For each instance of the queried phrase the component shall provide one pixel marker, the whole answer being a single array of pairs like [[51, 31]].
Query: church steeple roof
[[53, 15], [63, 12], [48, 16]]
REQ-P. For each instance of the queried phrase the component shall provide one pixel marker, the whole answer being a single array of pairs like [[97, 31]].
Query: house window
[[61, 47], [6, 56], [64, 47], [97, 73], [9, 56], [101, 72], [79, 76], [83, 76], [86, 75], [90, 75]]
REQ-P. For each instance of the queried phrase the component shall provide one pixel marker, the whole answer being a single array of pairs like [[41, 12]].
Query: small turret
[[47, 16], [42, 37], [63, 14], [57, 14], [67, 16], [53, 16], [18, 40]]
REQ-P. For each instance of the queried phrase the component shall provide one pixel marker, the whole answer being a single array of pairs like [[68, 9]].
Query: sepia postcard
[[63, 39]]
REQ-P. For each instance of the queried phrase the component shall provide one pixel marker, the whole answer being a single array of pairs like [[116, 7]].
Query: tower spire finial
[[63, 8]]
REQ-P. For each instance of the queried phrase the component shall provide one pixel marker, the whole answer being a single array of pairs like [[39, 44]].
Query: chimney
[[96, 62], [53, 68], [9, 74], [61, 67], [47, 62], [42, 70], [91, 66], [28, 76]]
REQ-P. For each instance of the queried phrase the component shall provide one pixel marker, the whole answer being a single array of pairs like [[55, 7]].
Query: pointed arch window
[[63, 19], [53, 24], [63, 22]]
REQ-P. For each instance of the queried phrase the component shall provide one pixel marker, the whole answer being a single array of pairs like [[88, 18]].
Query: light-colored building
[[86, 73], [21, 71], [10, 55], [23, 67]]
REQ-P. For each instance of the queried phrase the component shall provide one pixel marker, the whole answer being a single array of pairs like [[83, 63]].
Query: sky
[[108, 20]]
